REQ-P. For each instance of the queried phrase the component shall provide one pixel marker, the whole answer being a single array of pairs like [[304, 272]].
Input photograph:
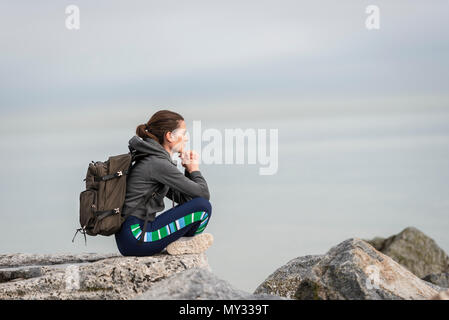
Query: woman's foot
[[195, 244]]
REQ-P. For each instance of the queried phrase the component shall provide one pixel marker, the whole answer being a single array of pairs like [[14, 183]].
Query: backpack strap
[[103, 214], [83, 232], [144, 200], [146, 216], [142, 236], [111, 176]]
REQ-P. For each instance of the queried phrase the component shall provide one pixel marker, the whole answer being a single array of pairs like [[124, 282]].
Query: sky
[[363, 115], [173, 51]]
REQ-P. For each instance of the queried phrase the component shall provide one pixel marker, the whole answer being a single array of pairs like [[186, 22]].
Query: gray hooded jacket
[[159, 173]]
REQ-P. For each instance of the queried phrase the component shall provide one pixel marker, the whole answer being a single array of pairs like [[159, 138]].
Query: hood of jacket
[[151, 147]]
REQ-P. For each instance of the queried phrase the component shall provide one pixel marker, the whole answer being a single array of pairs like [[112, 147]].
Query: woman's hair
[[160, 123]]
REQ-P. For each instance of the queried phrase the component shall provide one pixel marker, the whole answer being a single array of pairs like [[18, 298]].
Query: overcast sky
[[282, 54]]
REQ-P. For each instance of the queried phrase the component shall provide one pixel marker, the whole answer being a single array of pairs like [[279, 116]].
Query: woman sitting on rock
[[179, 229]]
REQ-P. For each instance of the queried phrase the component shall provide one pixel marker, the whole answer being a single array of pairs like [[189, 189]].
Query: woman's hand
[[189, 160]]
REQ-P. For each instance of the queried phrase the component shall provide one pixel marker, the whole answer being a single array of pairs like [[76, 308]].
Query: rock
[[414, 250], [439, 279], [19, 273], [352, 270], [27, 259], [88, 276], [285, 281], [197, 284], [444, 295], [434, 286], [377, 243]]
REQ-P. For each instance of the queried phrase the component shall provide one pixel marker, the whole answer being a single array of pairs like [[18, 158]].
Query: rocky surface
[[444, 295], [197, 284], [95, 276], [88, 276], [380, 268], [414, 250], [28, 259], [352, 270], [439, 279]]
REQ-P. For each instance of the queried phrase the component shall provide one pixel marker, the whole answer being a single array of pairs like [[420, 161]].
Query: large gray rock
[[414, 250], [285, 281], [352, 270], [88, 276], [197, 284]]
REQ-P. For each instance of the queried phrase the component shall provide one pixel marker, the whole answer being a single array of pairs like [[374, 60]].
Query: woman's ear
[[169, 137]]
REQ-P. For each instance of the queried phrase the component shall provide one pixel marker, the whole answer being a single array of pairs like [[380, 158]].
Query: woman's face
[[179, 137]]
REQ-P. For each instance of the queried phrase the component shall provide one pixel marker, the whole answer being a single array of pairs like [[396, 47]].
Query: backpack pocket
[[108, 225], [88, 205]]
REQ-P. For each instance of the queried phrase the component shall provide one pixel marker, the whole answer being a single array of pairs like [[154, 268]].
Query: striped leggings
[[185, 220]]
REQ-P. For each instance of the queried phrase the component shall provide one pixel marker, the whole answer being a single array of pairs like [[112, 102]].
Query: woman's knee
[[204, 204]]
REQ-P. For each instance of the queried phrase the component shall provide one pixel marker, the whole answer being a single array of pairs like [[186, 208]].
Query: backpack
[[101, 204]]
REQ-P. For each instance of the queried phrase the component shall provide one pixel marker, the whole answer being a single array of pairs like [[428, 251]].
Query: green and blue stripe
[[172, 227]]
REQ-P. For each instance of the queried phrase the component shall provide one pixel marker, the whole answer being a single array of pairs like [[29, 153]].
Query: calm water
[[339, 177]]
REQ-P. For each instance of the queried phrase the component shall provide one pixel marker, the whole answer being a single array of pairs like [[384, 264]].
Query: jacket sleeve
[[191, 184], [176, 196]]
